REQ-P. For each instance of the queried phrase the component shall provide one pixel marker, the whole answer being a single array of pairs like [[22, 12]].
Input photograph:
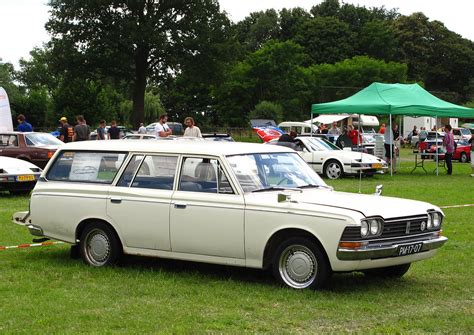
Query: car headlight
[[436, 219], [371, 227], [429, 222], [364, 229]]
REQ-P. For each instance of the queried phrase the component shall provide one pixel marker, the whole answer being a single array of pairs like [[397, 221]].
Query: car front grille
[[406, 226]]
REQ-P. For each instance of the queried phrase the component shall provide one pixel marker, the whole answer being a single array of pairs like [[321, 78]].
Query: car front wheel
[[298, 263], [463, 158], [99, 245], [333, 169]]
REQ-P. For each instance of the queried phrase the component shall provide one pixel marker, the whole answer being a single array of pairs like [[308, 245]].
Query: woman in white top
[[191, 130]]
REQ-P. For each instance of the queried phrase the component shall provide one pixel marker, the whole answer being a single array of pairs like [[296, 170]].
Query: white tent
[[366, 120], [6, 123]]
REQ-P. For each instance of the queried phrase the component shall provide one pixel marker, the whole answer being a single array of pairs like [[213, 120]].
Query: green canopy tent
[[394, 99]]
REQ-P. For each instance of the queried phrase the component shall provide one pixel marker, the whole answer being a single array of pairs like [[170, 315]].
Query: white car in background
[[327, 159], [17, 176]]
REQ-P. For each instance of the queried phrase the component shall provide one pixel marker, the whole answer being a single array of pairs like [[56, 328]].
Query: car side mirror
[[378, 190]]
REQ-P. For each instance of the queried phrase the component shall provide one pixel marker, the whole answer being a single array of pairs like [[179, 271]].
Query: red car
[[33, 147], [462, 152]]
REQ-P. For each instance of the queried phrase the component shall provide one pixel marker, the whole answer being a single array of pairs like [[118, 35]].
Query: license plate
[[409, 249], [28, 177], [377, 166]]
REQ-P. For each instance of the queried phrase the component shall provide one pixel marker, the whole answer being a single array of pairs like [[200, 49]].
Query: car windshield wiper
[[314, 186], [276, 188]]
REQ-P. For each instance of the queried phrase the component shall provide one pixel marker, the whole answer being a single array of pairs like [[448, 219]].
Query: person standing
[[390, 157], [191, 130], [448, 142], [114, 131], [353, 134], [81, 130], [334, 130], [23, 126], [142, 129], [66, 133], [382, 129], [161, 128], [101, 130]]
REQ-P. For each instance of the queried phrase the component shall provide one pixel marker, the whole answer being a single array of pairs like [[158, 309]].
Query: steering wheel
[[285, 178]]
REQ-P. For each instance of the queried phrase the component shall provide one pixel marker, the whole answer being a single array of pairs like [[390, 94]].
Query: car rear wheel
[[463, 158], [100, 245], [299, 263], [396, 271], [333, 169]]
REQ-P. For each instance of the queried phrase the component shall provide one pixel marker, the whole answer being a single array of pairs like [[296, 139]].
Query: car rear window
[[86, 166]]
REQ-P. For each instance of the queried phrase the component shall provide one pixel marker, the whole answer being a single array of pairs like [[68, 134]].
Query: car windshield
[[272, 171], [42, 139], [318, 144], [465, 131]]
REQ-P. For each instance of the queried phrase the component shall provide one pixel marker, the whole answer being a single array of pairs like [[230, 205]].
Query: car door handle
[[115, 200], [179, 205]]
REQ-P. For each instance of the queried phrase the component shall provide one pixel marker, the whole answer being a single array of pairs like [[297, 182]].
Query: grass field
[[43, 290]]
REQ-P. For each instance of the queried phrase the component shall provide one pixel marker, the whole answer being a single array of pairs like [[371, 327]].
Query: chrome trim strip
[[371, 252]]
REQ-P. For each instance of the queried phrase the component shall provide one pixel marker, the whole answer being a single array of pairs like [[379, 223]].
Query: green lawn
[[43, 290]]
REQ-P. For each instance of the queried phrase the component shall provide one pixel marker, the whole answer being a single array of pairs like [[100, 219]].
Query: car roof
[[185, 147]]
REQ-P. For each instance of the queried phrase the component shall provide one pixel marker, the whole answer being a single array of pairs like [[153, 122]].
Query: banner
[[6, 123]]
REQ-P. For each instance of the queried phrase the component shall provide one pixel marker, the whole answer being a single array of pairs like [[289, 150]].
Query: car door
[[139, 203], [206, 214]]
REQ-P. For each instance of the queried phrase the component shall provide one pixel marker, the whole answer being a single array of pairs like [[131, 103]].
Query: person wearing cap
[[66, 132]]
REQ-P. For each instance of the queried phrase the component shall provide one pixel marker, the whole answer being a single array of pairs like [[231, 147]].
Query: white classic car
[[238, 204], [17, 176], [328, 159]]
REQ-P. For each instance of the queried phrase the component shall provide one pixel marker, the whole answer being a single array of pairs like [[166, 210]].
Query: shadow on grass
[[338, 283]]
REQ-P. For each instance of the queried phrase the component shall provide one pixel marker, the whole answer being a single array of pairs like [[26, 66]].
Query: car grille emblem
[[407, 231], [423, 225]]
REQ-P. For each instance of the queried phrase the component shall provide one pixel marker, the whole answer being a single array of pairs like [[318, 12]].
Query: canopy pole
[[437, 146], [361, 156], [391, 145]]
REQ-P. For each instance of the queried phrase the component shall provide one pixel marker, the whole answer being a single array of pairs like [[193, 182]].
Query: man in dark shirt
[[114, 131], [81, 130], [290, 137], [66, 132], [101, 130]]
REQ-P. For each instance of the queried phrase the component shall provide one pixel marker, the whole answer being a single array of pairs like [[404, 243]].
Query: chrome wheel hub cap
[[298, 266], [334, 171], [98, 247]]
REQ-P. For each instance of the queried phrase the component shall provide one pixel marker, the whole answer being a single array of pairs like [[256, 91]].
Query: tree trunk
[[141, 67]]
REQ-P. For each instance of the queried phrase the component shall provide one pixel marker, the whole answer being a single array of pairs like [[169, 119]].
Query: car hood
[[356, 156], [16, 166], [367, 204]]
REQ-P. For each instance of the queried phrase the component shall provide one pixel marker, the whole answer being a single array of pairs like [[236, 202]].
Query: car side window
[[130, 171], [156, 172], [10, 141], [203, 175], [86, 166]]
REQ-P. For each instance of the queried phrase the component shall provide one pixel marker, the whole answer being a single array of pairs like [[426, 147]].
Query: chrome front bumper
[[23, 219], [375, 252]]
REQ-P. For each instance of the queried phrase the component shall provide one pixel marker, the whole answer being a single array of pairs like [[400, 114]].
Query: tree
[[267, 110], [133, 40]]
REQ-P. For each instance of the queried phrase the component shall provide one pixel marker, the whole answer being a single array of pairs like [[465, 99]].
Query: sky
[[22, 21]]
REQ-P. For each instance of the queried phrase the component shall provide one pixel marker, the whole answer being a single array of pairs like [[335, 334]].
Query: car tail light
[[50, 154]]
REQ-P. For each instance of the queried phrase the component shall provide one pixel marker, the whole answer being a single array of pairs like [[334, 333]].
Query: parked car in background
[[239, 204], [327, 159], [217, 137], [176, 127], [124, 131], [301, 128], [139, 137], [462, 151], [17, 176], [33, 147]]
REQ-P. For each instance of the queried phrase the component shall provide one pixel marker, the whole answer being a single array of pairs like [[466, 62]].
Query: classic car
[[33, 147], [327, 159], [17, 176], [462, 151], [240, 204]]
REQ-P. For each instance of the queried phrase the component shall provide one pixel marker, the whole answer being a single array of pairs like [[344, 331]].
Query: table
[[420, 162]]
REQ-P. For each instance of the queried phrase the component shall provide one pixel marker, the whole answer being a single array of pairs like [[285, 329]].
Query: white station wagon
[[237, 204]]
